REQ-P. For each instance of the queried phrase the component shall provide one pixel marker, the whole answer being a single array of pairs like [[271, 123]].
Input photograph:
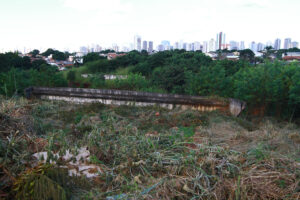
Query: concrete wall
[[134, 98]]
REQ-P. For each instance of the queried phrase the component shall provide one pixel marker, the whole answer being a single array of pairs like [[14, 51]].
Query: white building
[[287, 43], [137, 43], [234, 45], [277, 44], [197, 46], [242, 45], [205, 47], [211, 45]]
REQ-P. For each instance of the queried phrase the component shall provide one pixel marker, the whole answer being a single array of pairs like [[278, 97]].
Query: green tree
[[247, 54], [92, 57], [34, 53]]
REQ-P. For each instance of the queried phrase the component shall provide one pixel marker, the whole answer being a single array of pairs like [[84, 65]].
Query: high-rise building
[[184, 46], [197, 46], [176, 46], [287, 43], [211, 46], [221, 40], [233, 45], [295, 44], [205, 47], [137, 43], [150, 47], [181, 44], [190, 47], [277, 44], [242, 45], [260, 46], [145, 45], [253, 46]]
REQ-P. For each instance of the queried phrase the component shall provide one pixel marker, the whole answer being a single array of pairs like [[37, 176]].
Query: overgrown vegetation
[[269, 88], [145, 153]]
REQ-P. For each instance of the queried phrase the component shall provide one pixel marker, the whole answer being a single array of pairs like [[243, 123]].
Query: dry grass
[[152, 153]]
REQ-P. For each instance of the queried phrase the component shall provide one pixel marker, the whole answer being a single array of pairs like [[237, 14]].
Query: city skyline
[[219, 42], [206, 46], [69, 24]]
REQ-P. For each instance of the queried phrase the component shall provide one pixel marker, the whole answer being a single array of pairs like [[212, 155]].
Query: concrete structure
[[133, 98]]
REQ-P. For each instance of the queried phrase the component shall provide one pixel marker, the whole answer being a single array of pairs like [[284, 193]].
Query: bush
[[15, 80]]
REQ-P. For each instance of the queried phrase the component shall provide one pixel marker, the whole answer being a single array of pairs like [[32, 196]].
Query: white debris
[[77, 165]]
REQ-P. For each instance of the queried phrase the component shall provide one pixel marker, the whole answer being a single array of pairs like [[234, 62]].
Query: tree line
[[269, 88]]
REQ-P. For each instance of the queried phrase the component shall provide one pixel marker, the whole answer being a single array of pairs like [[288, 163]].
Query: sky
[[69, 24]]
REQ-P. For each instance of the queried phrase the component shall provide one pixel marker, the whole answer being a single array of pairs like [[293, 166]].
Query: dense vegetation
[[269, 88], [58, 150]]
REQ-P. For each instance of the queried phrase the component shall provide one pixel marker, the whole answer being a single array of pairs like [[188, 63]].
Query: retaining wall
[[134, 98]]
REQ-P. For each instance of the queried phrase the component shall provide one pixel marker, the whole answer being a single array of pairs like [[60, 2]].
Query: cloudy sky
[[69, 24]]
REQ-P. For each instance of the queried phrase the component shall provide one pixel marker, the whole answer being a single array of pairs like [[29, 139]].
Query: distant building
[[111, 56], [211, 46], [221, 40], [190, 47], [145, 45], [137, 43], [184, 46], [291, 56], [253, 46], [260, 46], [287, 43], [197, 46], [242, 45], [176, 46], [84, 50], [150, 48], [115, 48], [295, 44], [277, 44], [161, 47], [205, 47], [166, 44], [233, 45]]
